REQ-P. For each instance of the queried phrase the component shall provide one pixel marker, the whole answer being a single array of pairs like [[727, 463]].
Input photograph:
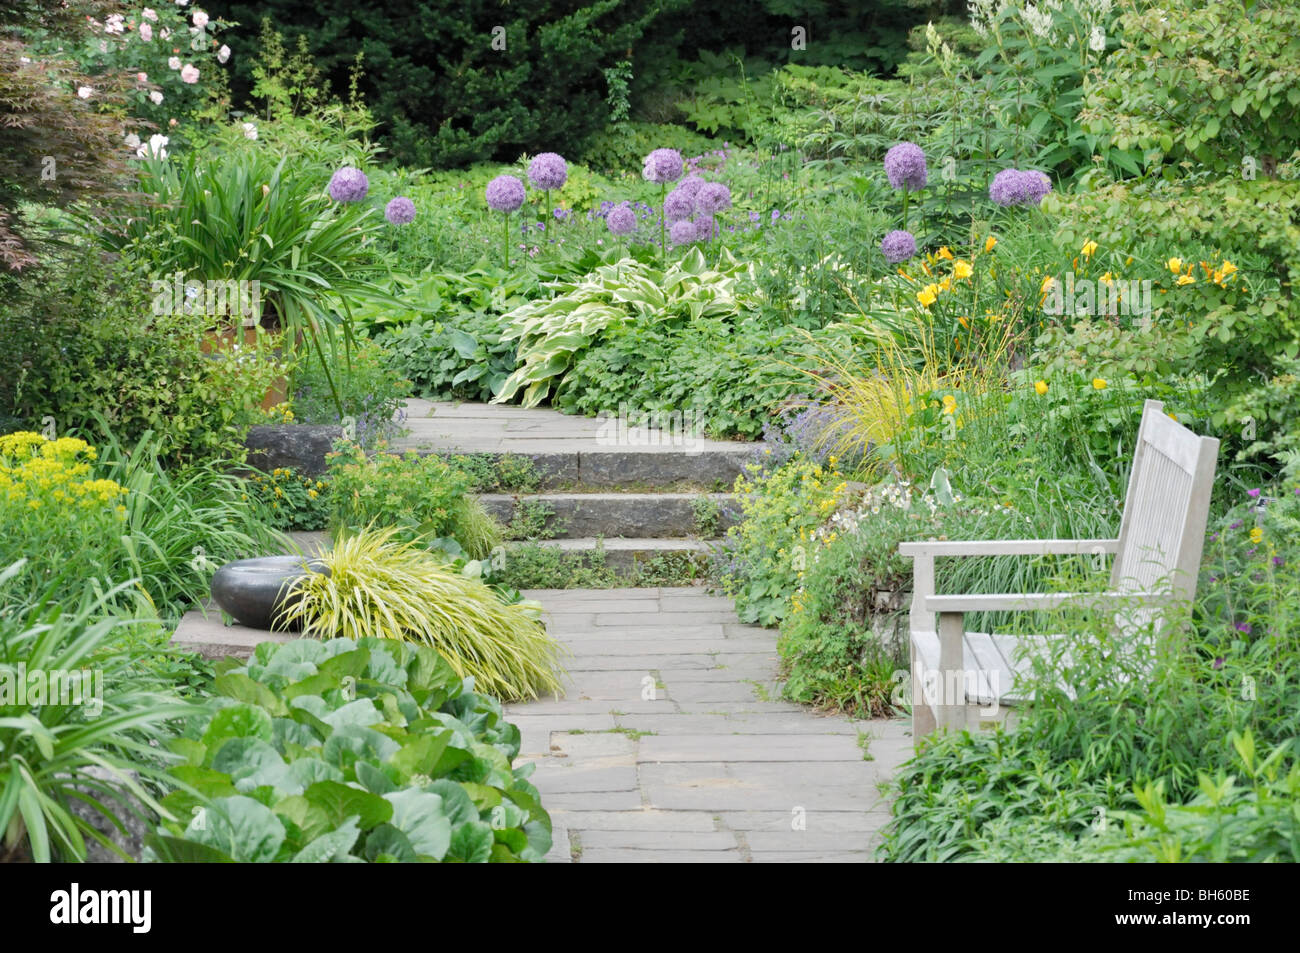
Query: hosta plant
[[379, 586], [349, 752], [554, 331]]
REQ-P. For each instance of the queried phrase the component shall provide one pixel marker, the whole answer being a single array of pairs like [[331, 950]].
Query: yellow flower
[[312, 494], [1047, 283], [1228, 268], [1040, 387], [1256, 535], [927, 295], [1099, 383], [1185, 280], [962, 269], [964, 321], [949, 403], [1107, 278], [1088, 248], [926, 268], [945, 253], [946, 284], [906, 275], [1175, 265], [989, 243]]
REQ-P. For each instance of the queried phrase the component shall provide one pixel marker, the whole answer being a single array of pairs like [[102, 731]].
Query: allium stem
[[906, 191], [663, 223], [505, 233]]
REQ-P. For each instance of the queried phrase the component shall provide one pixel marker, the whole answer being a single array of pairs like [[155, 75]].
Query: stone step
[[651, 469], [624, 555], [632, 515]]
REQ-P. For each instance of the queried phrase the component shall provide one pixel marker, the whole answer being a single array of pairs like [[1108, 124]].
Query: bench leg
[[923, 722], [951, 710]]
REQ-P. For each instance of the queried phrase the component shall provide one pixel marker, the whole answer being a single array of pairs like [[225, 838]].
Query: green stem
[[663, 224], [505, 233]]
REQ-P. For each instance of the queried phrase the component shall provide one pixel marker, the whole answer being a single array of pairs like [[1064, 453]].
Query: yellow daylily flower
[[1175, 265], [1040, 387], [962, 269], [927, 295], [1185, 280], [949, 403], [1088, 248], [945, 254], [1099, 383], [989, 243], [1228, 268]]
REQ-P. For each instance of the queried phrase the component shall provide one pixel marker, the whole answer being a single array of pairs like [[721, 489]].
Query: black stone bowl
[[256, 591]]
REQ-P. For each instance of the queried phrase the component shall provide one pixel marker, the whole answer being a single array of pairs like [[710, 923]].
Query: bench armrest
[[1038, 601], [1008, 547]]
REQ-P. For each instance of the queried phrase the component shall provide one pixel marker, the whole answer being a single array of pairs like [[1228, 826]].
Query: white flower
[[156, 147], [114, 24], [1097, 39], [200, 19], [223, 54], [146, 32], [189, 74], [157, 97], [149, 14], [132, 141], [250, 130], [181, 3], [174, 62], [84, 92]]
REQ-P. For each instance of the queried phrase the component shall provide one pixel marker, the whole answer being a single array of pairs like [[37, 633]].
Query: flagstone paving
[[670, 744]]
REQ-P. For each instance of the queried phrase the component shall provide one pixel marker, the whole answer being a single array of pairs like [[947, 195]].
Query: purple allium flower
[[682, 233], [400, 211], [548, 171], [705, 228], [1009, 187], [348, 184], [505, 193], [662, 165], [898, 246], [712, 198], [905, 166], [678, 206], [691, 186], [1252, 493], [621, 220], [1037, 185]]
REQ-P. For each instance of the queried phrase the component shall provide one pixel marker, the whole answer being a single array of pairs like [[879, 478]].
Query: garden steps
[[622, 554], [628, 515], [570, 451]]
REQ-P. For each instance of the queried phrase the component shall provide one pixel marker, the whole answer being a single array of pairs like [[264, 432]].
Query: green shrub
[[370, 391], [347, 751], [289, 500], [462, 358], [422, 497]]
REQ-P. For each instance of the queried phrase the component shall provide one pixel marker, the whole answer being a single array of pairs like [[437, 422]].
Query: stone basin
[[256, 591]]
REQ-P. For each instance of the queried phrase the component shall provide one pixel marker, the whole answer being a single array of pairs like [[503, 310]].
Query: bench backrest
[[1165, 510]]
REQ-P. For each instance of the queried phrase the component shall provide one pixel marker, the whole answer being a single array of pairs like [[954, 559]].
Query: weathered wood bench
[[965, 679]]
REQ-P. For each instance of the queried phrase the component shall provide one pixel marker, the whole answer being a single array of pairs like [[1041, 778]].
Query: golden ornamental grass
[[380, 586]]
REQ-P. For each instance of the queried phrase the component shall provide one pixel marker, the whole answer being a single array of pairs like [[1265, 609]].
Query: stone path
[[670, 745]]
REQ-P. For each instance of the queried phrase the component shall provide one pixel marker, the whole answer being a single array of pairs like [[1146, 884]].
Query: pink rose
[[189, 74], [146, 32]]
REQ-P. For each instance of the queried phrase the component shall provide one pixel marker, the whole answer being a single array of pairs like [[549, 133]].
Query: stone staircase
[[637, 493]]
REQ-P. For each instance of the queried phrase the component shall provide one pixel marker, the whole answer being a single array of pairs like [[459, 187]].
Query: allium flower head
[[679, 205], [662, 165], [690, 186], [682, 233], [1016, 187], [898, 246], [348, 184], [621, 220], [712, 198], [548, 171], [905, 166], [505, 193], [705, 227], [400, 211]]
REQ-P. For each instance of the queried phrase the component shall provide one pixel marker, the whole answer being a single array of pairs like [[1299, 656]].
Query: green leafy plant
[[350, 751], [378, 586], [86, 738]]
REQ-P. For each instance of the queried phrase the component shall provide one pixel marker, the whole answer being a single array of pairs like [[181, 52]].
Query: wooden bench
[[965, 679]]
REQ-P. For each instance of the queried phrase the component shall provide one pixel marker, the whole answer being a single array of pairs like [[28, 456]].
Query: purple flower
[[898, 246], [691, 186], [1037, 184], [712, 198], [1236, 525], [682, 233], [348, 184], [678, 206], [548, 171], [905, 166], [1218, 662], [400, 211], [1252, 493], [1009, 188], [561, 214], [662, 165], [505, 193], [705, 228], [1278, 560], [1243, 627], [621, 220]]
